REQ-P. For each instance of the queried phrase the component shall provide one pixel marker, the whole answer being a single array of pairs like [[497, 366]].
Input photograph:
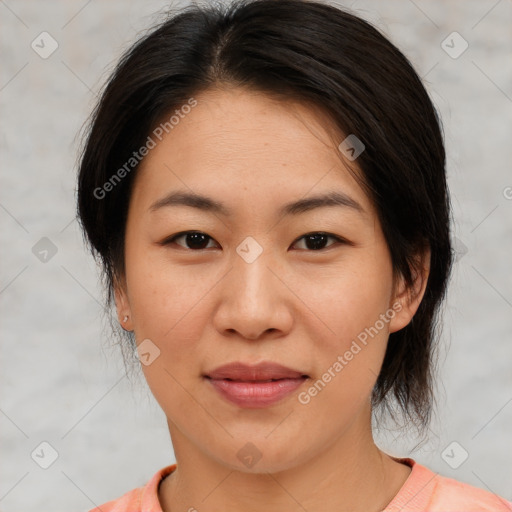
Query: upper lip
[[260, 371]]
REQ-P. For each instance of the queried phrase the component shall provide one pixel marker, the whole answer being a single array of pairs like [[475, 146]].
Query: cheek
[[349, 355], [165, 298], [170, 307], [348, 298], [350, 339]]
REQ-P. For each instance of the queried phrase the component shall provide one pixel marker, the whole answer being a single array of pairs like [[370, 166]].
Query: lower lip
[[255, 394]]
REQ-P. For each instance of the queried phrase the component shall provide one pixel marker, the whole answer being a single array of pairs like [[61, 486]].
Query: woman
[[264, 184]]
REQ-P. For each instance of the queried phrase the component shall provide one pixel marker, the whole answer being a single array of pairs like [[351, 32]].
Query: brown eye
[[194, 240], [317, 241]]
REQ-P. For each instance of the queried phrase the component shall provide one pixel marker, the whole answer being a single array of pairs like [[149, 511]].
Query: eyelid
[[338, 239], [170, 239]]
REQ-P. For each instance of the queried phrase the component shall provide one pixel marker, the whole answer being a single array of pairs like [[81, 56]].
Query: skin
[[293, 305]]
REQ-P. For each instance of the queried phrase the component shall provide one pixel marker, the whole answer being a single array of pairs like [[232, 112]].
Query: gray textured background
[[60, 380]]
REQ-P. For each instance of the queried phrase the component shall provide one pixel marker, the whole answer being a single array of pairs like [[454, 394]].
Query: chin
[[262, 460]]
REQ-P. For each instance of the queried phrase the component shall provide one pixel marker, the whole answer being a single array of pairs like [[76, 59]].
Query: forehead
[[236, 143]]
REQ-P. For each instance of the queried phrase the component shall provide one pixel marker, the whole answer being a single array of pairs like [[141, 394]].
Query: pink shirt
[[423, 491]]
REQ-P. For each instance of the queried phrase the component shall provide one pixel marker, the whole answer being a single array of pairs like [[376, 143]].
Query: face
[[308, 287]]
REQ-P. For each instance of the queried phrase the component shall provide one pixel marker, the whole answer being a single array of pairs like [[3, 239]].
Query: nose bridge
[[251, 276], [251, 299]]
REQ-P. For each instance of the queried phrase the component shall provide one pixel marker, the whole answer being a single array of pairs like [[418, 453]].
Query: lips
[[255, 386], [251, 373]]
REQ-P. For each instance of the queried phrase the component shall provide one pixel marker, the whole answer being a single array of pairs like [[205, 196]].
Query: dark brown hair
[[312, 52]]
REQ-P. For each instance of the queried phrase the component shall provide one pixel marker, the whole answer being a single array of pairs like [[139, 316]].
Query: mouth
[[262, 372], [255, 386], [255, 381]]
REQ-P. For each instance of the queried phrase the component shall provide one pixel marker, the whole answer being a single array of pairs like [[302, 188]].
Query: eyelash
[[338, 239]]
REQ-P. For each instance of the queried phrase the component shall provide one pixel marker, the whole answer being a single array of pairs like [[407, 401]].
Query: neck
[[350, 474]]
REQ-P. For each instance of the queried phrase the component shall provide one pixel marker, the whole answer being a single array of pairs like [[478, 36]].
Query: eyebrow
[[208, 204]]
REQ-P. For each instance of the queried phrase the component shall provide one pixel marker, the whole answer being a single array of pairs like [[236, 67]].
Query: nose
[[254, 302]]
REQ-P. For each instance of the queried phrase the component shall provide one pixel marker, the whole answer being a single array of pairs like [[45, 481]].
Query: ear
[[406, 299], [124, 313]]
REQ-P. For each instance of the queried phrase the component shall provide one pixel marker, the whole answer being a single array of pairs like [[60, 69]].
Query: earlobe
[[123, 307], [406, 299]]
